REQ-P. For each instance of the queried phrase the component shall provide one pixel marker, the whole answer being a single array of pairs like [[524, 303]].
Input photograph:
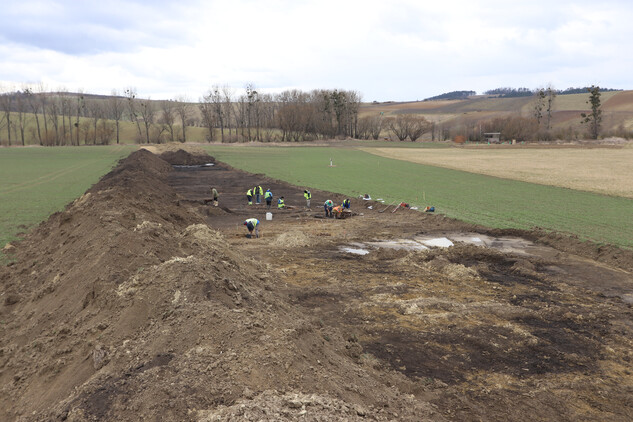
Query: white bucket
[[269, 216]]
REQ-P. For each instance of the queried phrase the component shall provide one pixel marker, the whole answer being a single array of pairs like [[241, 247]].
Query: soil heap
[[183, 158], [128, 306]]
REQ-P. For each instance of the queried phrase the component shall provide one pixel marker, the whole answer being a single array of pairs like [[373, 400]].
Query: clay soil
[[140, 301]]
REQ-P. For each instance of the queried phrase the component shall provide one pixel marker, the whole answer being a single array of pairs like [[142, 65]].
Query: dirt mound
[[184, 158], [141, 301], [128, 306], [291, 239]]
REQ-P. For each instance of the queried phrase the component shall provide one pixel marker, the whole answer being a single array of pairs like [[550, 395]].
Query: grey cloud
[[79, 28]]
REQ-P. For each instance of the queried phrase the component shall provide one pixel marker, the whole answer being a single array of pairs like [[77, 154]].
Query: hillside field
[[617, 107]]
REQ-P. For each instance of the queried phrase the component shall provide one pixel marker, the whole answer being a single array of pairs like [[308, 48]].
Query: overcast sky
[[401, 50]]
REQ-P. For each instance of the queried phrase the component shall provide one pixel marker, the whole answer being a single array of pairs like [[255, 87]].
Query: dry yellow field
[[602, 170]]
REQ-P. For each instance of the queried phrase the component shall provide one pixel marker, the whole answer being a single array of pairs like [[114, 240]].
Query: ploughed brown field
[[142, 302], [602, 168]]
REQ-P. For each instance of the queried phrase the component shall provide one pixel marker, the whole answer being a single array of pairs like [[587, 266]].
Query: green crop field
[[485, 200], [37, 182]]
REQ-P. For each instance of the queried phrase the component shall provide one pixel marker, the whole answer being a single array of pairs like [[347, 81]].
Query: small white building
[[492, 137]]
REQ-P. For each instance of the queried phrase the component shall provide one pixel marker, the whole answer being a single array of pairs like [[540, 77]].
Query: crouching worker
[[346, 203], [337, 211], [214, 195], [280, 203], [327, 206], [252, 224]]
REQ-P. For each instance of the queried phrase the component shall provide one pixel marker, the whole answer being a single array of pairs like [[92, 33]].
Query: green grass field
[[36, 182], [479, 199]]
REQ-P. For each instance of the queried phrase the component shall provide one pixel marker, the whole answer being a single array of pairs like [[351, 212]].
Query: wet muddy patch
[[457, 352], [443, 240]]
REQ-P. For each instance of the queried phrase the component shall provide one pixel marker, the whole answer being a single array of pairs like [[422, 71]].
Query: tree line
[[527, 92], [37, 116], [34, 115], [289, 116]]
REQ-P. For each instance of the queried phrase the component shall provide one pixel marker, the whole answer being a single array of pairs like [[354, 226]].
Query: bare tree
[[229, 110], [399, 126], [168, 118], [539, 105], [65, 108], [408, 126], [20, 110], [251, 100], [207, 112], [130, 94], [85, 128], [43, 98], [268, 110], [241, 111], [6, 103], [53, 117], [105, 131], [34, 107], [183, 110], [369, 127], [115, 103], [595, 117], [215, 100], [95, 112], [147, 113], [551, 96], [419, 126], [354, 99]]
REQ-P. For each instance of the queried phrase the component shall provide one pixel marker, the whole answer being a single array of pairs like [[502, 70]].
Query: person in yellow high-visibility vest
[[280, 203], [268, 196], [249, 196], [252, 224], [307, 195], [258, 191]]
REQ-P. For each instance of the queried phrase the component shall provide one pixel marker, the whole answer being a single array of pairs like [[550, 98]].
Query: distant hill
[[465, 115], [453, 95]]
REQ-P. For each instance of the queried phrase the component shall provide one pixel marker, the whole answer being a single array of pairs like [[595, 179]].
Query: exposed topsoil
[[142, 301]]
